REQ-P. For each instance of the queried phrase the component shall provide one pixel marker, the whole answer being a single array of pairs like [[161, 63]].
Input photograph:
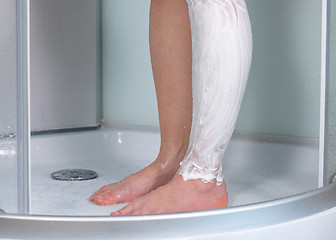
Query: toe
[[104, 201], [127, 210], [115, 214]]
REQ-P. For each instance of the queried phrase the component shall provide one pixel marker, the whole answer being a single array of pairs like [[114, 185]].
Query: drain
[[74, 175]]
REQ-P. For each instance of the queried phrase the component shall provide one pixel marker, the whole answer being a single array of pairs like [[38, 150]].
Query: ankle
[[201, 185], [170, 158]]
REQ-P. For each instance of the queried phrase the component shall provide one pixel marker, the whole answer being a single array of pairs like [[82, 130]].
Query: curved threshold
[[193, 223]]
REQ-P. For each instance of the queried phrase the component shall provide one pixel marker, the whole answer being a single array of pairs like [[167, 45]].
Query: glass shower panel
[[331, 135], [8, 108]]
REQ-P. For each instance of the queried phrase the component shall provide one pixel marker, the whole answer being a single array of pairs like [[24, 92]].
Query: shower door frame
[[324, 98], [23, 105]]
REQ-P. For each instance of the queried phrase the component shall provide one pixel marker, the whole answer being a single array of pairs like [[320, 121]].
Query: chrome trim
[[23, 109], [323, 178]]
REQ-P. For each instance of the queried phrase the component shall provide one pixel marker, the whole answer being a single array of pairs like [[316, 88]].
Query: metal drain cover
[[74, 175]]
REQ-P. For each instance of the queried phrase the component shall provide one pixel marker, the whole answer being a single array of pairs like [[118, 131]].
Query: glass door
[[8, 108], [14, 107]]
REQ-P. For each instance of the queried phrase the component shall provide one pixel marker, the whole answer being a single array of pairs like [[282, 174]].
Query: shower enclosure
[[76, 92]]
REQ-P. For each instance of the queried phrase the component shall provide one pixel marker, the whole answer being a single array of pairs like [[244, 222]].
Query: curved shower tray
[[311, 215]]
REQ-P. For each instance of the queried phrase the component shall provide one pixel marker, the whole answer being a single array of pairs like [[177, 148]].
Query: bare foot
[[178, 196], [138, 184]]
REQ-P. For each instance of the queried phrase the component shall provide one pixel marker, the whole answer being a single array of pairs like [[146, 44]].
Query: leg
[[170, 44], [222, 50]]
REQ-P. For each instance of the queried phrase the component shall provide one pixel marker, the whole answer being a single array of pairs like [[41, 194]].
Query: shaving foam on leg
[[222, 54]]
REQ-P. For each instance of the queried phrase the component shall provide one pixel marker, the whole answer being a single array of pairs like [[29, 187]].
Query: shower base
[[256, 169]]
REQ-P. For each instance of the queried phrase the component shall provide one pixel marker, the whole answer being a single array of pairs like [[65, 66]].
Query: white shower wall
[[128, 87], [283, 92], [65, 64]]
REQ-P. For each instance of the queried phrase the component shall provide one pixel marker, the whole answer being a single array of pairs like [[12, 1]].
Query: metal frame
[[23, 108], [325, 38]]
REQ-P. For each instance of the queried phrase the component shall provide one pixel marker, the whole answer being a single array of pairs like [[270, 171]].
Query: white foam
[[222, 53]]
